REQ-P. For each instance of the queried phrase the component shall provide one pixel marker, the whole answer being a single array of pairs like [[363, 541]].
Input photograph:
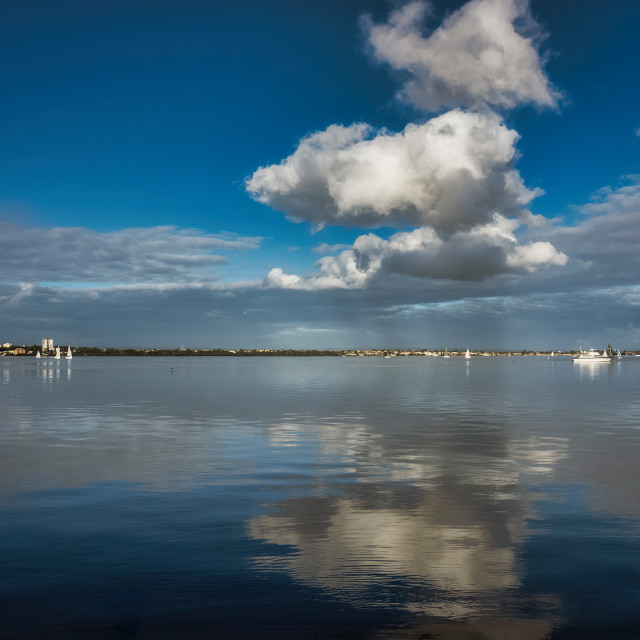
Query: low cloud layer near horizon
[[141, 255]]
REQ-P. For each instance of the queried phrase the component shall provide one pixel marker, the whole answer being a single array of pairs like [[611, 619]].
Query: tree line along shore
[[112, 351]]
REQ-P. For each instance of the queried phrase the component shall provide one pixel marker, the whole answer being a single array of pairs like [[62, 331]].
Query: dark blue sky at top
[[154, 113], [142, 113], [139, 113], [590, 142]]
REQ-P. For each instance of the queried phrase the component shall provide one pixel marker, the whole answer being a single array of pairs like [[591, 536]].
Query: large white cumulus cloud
[[477, 56], [452, 172], [452, 178]]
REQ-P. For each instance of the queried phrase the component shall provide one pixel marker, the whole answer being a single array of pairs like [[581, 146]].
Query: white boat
[[38, 355], [57, 356], [592, 355], [467, 355], [446, 353], [69, 356]]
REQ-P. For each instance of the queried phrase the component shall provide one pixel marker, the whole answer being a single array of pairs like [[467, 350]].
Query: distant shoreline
[[235, 353]]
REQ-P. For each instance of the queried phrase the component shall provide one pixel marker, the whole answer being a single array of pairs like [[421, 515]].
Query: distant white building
[[7, 345], [47, 344]]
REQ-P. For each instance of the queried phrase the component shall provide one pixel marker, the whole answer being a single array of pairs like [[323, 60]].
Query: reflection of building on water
[[49, 374]]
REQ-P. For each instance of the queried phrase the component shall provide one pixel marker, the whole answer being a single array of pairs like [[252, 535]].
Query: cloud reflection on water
[[414, 488], [435, 533]]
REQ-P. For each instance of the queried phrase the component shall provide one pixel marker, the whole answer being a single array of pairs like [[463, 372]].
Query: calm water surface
[[319, 498]]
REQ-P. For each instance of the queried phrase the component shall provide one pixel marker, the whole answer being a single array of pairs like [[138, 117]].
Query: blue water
[[319, 498]]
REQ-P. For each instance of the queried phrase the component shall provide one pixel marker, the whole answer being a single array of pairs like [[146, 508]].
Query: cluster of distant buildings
[[9, 349]]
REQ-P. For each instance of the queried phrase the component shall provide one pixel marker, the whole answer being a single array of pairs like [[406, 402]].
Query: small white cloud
[[621, 200], [325, 248], [535, 255], [278, 279], [27, 289], [484, 53]]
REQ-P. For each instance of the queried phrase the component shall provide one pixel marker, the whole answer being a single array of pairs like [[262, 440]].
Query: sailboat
[[446, 353], [467, 355], [57, 356], [38, 355], [69, 356]]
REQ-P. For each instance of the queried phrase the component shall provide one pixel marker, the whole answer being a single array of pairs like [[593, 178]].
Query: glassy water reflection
[[343, 497]]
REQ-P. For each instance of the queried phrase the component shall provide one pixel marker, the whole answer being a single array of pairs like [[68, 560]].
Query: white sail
[[467, 355], [57, 356], [38, 355], [69, 356]]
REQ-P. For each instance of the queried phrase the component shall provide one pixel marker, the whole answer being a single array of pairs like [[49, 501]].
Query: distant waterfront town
[[47, 349]]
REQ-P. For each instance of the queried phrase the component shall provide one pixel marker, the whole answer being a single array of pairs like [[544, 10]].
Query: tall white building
[[47, 344]]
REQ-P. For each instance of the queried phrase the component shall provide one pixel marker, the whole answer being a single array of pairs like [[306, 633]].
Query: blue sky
[[335, 174]]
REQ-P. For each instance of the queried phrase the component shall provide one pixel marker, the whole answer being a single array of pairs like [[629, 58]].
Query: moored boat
[[592, 355]]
